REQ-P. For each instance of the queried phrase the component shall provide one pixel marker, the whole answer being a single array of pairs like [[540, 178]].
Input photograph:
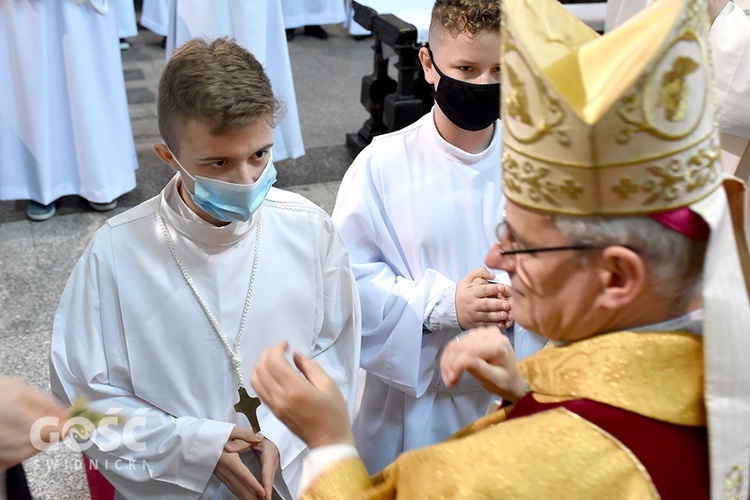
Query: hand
[[268, 455], [270, 461], [21, 408], [312, 407], [236, 476], [487, 354], [481, 303]]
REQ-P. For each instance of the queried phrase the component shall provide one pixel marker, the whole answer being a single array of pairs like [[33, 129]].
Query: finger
[[245, 434], [446, 366], [311, 370], [484, 273], [450, 375], [481, 370], [268, 471], [493, 318], [255, 486], [492, 303], [238, 477], [452, 363], [494, 290], [268, 372], [480, 273], [237, 446], [504, 291], [505, 325], [456, 368]]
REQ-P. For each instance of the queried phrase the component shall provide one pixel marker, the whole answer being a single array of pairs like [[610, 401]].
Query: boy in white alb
[[173, 301], [417, 210]]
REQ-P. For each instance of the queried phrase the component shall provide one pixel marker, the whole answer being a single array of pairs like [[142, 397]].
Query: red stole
[[675, 456]]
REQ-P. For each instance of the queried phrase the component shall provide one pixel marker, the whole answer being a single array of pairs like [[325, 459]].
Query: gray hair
[[672, 259]]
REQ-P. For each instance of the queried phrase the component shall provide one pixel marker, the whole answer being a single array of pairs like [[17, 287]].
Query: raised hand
[[486, 354], [312, 407], [22, 407]]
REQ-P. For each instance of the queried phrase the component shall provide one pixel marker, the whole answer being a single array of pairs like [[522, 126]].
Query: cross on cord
[[248, 405]]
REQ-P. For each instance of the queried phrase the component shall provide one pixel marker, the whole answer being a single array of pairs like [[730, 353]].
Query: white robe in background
[[417, 214], [155, 16], [258, 26], [129, 333], [127, 26], [730, 49], [311, 12], [64, 122]]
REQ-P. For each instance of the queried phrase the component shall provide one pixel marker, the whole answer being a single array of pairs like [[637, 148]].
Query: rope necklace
[[232, 352]]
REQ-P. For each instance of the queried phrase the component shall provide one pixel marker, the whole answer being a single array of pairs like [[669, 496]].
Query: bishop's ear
[[623, 276]]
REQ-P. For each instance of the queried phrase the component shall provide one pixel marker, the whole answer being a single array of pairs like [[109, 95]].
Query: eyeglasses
[[501, 232]]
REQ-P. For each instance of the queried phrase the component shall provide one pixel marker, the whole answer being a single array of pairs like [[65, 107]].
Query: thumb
[[247, 435], [449, 377], [236, 446], [481, 273]]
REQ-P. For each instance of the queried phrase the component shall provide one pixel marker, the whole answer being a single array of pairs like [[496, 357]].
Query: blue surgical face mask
[[227, 201]]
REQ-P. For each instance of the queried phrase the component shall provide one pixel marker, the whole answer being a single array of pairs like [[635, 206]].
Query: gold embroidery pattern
[[535, 182], [635, 108], [668, 182], [650, 186], [674, 89], [517, 99], [733, 483], [657, 375]]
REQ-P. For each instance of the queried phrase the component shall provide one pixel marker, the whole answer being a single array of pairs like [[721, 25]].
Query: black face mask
[[469, 106]]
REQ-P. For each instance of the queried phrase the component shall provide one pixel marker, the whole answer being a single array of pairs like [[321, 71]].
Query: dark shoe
[[359, 38], [290, 34], [316, 31], [124, 44], [37, 211], [103, 207]]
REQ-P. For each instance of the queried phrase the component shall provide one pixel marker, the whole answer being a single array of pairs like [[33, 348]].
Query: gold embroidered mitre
[[616, 124]]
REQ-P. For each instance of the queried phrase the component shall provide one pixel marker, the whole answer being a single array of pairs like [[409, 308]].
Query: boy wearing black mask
[[417, 210]]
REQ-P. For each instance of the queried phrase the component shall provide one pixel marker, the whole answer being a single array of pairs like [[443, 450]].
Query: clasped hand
[[236, 476], [482, 303]]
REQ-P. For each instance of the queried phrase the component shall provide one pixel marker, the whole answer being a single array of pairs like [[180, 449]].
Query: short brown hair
[[458, 16], [219, 83]]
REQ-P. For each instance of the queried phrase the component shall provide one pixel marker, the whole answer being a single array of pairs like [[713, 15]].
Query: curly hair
[[217, 82], [458, 16]]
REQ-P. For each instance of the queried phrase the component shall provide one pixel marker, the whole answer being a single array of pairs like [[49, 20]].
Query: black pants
[[15, 484]]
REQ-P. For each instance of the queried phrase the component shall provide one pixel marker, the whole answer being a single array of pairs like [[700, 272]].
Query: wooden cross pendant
[[248, 405]]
